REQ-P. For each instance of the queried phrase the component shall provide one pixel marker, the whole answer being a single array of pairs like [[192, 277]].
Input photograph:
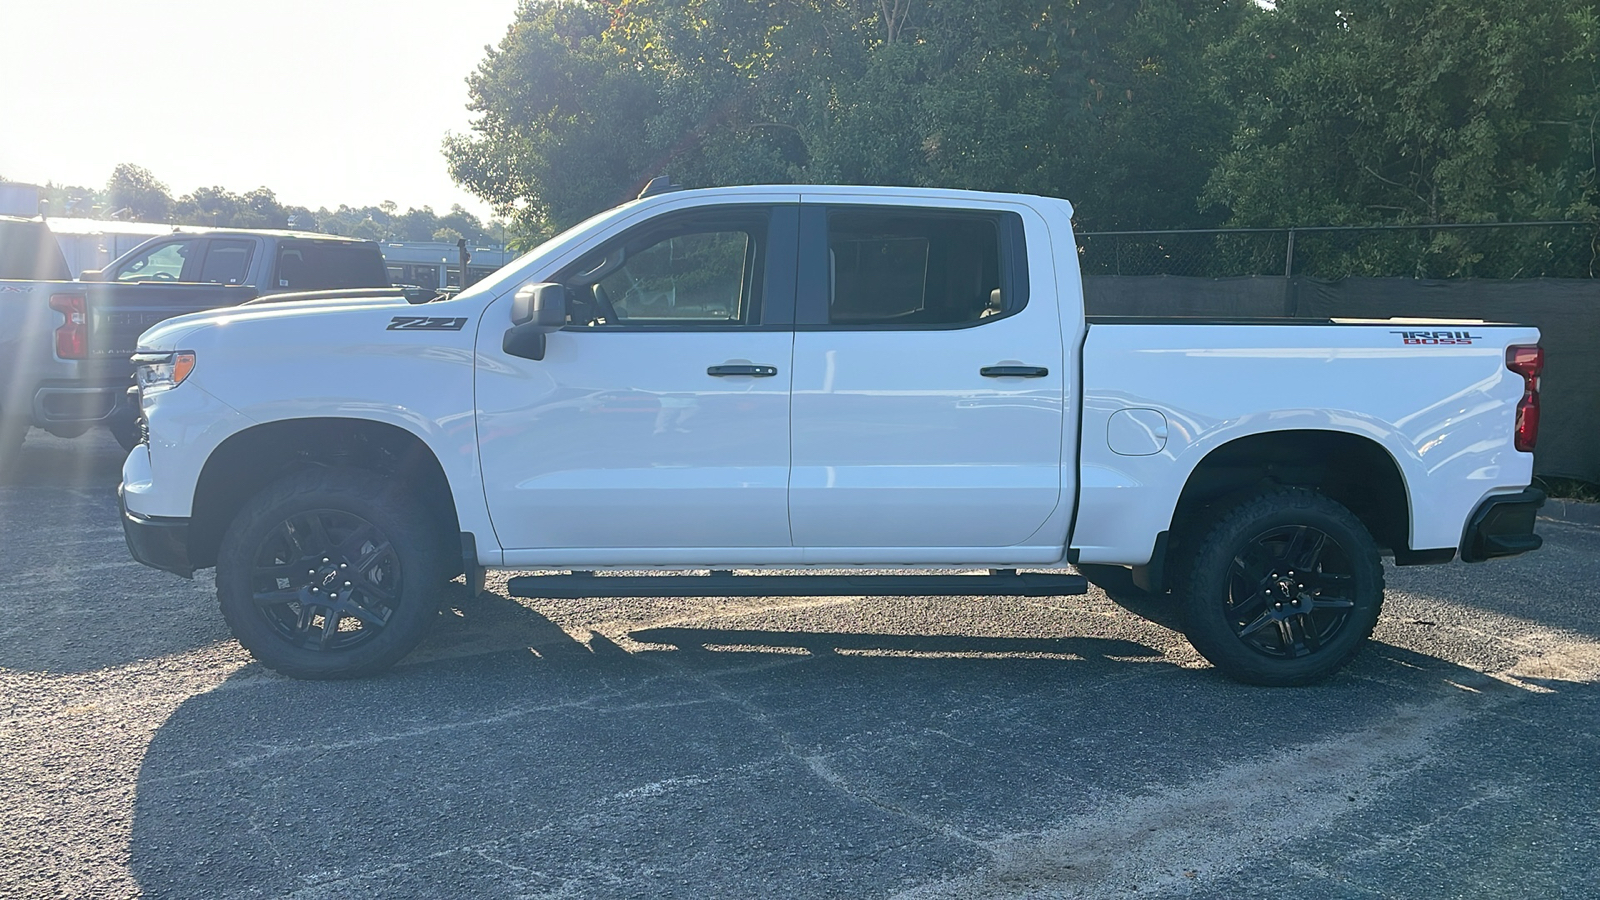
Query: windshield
[[514, 273]]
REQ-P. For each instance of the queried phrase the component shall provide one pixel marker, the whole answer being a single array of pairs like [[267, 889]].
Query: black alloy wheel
[[1282, 589], [1288, 591], [332, 573], [326, 579]]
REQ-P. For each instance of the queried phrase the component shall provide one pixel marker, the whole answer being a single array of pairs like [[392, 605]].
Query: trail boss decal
[[425, 323], [1435, 338]]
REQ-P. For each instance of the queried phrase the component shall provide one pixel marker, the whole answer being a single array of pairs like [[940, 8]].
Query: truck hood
[[169, 334]]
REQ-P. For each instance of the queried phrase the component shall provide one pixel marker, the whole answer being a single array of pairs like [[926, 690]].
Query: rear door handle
[[753, 371], [1013, 371]]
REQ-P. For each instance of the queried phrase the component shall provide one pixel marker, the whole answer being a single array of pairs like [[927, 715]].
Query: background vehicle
[[64, 345], [820, 377]]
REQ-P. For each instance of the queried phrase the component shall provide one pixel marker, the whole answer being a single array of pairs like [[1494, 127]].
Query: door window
[[909, 268], [227, 262], [163, 262], [697, 271]]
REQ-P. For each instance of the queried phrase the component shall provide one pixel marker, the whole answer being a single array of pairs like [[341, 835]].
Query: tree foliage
[[1102, 101], [133, 193], [1147, 114], [1412, 111], [135, 189]]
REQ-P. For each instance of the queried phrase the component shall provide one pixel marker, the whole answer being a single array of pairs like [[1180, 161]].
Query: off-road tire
[[1266, 610], [277, 522], [128, 432]]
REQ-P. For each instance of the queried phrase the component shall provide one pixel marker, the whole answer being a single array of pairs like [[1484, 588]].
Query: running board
[[723, 584]]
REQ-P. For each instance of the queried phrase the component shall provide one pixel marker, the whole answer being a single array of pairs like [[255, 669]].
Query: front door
[[928, 390], [659, 417]]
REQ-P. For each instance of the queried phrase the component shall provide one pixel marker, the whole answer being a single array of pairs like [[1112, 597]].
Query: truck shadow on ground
[[706, 761]]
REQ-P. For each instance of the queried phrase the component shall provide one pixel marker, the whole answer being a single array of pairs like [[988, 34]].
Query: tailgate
[[119, 313]]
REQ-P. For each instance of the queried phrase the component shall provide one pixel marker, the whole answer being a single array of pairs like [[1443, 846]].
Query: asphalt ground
[[847, 747]]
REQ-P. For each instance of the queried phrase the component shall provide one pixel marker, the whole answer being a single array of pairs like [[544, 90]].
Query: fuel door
[[1137, 432]]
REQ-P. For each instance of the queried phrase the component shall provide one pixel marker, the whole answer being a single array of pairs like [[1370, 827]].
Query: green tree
[[135, 189], [1103, 102], [1413, 111]]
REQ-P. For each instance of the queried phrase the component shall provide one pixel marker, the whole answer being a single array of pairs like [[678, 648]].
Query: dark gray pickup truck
[[64, 345]]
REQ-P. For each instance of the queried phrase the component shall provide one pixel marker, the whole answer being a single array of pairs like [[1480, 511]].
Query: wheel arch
[[255, 457], [1354, 470]]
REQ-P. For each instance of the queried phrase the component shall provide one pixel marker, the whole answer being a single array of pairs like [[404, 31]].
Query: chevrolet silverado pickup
[[726, 387], [64, 345]]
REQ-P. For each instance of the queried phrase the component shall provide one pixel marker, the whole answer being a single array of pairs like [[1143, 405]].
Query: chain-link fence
[[1489, 250]]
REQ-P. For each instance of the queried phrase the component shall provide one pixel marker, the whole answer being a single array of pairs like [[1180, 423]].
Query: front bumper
[[156, 541], [1503, 526]]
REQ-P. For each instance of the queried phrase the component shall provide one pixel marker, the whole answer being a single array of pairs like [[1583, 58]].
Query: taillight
[[1527, 362], [72, 338]]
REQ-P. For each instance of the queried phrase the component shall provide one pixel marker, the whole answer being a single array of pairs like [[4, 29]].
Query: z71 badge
[[425, 323]]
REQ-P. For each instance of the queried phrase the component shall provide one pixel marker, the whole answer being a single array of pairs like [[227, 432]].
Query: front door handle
[[753, 371], [1013, 371]]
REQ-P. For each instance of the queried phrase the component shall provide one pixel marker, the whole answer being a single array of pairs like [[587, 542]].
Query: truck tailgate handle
[[754, 371], [1013, 371]]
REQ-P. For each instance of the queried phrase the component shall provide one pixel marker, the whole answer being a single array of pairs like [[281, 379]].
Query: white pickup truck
[[815, 379]]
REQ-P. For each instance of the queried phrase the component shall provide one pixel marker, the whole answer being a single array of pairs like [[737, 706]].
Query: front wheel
[[330, 573], [127, 430], [1283, 589]]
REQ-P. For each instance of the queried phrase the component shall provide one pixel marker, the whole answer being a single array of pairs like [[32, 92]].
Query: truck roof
[[855, 190], [284, 234]]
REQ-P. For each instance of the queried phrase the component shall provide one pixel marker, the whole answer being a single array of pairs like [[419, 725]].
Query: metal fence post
[[1288, 257]]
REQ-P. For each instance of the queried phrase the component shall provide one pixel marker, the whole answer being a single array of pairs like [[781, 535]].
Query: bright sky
[[323, 102]]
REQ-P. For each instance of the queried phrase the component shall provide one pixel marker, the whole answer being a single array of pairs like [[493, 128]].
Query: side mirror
[[92, 275], [536, 310], [540, 304]]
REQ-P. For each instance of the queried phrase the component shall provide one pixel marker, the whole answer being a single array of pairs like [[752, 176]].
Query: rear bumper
[[71, 403], [1503, 526], [156, 541]]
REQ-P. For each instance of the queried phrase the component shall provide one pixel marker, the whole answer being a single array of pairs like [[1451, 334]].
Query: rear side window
[[227, 262], [901, 267], [329, 265]]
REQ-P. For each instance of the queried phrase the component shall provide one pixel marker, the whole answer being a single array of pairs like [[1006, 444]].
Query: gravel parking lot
[[945, 747]]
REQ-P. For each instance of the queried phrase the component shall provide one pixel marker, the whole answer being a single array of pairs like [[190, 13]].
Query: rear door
[[928, 386]]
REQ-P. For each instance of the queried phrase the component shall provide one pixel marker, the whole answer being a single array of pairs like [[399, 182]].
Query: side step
[[724, 584]]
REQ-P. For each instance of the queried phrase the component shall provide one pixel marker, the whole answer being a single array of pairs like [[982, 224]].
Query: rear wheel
[[330, 573], [1283, 589]]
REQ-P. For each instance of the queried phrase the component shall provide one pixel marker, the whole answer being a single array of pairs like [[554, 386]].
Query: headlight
[[162, 371]]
